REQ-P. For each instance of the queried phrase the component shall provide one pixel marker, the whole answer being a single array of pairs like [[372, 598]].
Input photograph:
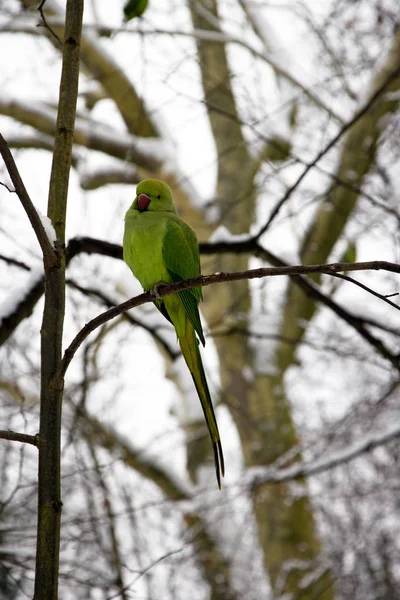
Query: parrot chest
[[143, 249]]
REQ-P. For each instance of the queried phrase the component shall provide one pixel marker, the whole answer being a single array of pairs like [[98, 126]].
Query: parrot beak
[[143, 202]]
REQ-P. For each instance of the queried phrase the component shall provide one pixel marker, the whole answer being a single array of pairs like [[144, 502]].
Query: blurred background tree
[[276, 125]]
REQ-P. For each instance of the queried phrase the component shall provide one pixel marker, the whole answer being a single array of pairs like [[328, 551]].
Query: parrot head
[[153, 195]]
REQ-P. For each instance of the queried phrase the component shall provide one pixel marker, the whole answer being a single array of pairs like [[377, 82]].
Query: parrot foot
[[157, 288]]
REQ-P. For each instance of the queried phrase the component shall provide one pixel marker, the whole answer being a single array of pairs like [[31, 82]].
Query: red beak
[[143, 202]]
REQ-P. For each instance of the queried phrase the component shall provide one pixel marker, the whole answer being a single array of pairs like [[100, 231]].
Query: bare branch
[[219, 37], [102, 247], [165, 289], [315, 467], [363, 111], [88, 133], [46, 25], [124, 173], [36, 140], [152, 330], [24, 438], [49, 255], [384, 297], [13, 261], [90, 245]]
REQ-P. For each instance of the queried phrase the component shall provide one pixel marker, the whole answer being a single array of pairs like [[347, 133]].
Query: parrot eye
[[158, 197]]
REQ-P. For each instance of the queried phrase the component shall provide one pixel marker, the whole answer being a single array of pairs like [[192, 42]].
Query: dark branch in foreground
[[24, 438], [164, 289], [48, 252]]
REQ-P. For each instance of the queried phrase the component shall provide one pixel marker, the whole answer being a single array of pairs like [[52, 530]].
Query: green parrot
[[159, 247]]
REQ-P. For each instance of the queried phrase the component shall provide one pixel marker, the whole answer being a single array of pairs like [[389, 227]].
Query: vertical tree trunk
[[49, 495]]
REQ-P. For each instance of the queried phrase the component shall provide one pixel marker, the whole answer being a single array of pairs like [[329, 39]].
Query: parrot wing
[[182, 260]]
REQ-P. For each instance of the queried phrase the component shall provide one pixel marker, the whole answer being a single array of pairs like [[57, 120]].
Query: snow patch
[[48, 227], [222, 234]]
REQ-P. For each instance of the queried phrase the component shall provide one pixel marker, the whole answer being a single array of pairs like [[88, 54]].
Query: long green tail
[[190, 350]]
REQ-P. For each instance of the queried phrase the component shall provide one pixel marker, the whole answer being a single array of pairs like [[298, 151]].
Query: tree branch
[[95, 246], [152, 330], [207, 35], [259, 475], [49, 255], [165, 289], [24, 308], [101, 67], [14, 262], [88, 133], [384, 298], [359, 114], [37, 141], [24, 438]]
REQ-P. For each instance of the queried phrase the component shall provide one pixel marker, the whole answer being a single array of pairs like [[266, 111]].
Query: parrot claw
[[157, 288]]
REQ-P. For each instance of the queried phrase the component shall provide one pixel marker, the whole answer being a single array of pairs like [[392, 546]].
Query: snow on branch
[[149, 152], [97, 177], [258, 475], [38, 141]]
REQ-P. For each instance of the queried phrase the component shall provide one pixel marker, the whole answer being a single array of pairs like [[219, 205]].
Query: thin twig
[[45, 23], [13, 261], [369, 290], [7, 188]]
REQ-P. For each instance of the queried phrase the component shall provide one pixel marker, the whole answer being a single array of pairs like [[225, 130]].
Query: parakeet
[[134, 8], [159, 247]]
